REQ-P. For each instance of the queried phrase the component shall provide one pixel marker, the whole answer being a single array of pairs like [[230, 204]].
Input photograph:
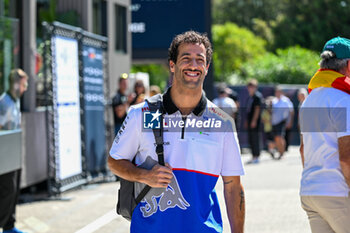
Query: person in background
[[224, 102], [325, 142], [139, 92], [120, 102], [254, 109], [289, 125], [266, 119], [139, 99], [302, 94], [282, 117], [10, 119], [234, 96], [154, 90]]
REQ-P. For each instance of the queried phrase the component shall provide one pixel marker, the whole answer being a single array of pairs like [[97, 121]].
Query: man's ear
[[172, 66], [346, 70]]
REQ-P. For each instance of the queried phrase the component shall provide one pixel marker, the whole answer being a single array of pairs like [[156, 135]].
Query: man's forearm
[[158, 177], [126, 170], [290, 120], [256, 114], [235, 205], [344, 157]]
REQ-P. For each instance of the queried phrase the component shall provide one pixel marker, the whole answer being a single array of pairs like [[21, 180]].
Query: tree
[[311, 23], [158, 73], [308, 23], [232, 47], [294, 65], [47, 12], [262, 29], [243, 12]]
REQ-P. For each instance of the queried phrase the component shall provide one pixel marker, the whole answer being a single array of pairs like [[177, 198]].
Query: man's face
[[301, 97], [23, 85], [251, 89], [191, 66], [278, 94], [123, 85]]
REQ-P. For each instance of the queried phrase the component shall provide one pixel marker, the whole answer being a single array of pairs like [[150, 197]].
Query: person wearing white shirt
[[325, 142], [225, 102], [183, 197], [10, 119], [282, 115]]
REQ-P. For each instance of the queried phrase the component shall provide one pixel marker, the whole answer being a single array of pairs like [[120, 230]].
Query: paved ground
[[272, 204]]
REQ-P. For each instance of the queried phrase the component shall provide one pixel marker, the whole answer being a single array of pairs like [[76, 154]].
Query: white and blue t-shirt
[[10, 113], [198, 153]]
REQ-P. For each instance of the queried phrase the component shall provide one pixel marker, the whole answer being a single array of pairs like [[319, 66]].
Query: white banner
[[68, 107]]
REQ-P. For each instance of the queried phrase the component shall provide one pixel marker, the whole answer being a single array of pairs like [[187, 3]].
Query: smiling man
[[183, 197]]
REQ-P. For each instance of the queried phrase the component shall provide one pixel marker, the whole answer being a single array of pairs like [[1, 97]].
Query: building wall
[[118, 62], [34, 147], [29, 51], [82, 7]]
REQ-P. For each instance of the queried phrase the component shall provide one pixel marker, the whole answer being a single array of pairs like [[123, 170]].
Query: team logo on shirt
[[151, 120], [162, 199]]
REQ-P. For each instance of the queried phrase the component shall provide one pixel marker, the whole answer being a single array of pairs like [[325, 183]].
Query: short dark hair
[[16, 75], [190, 37]]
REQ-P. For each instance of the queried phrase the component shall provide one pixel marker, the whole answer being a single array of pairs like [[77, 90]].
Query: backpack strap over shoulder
[[155, 103]]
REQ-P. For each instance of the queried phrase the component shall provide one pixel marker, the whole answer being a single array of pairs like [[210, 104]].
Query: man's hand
[[253, 125], [159, 176]]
